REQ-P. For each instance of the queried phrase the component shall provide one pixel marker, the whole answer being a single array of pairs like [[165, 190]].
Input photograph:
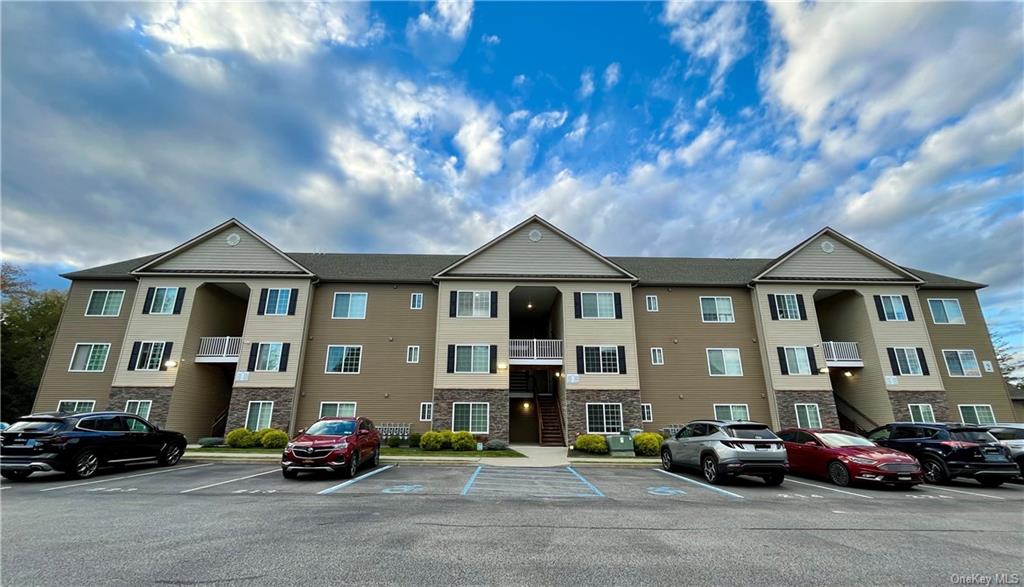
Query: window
[[416, 301], [604, 418], [646, 413], [349, 306], [473, 417], [731, 412], [89, 356], [75, 406], [652, 303], [921, 413], [277, 302], [797, 361], [150, 356], [977, 414], [892, 308], [268, 356], [907, 361], [163, 300], [788, 307], [258, 415], [724, 362], [807, 416], [141, 409], [426, 411], [105, 302], [657, 355], [946, 311], [961, 363], [473, 304], [718, 309], [472, 358], [600, 359], [344, 359], [597, 305], [337, 409], [412, 354], [136, 425]]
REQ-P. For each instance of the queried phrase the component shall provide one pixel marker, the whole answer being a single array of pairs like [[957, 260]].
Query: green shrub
[[241, 438], [259, 434], [394, 441], [414, 439], [432, 441], [647, 444], [463, 441], [592, 443], [446, 438], [274, 439], [211, 441], [496, 444]]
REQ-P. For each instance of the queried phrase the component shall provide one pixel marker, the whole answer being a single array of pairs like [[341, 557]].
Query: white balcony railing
[[219, 347], [534, 349], [845, 352]]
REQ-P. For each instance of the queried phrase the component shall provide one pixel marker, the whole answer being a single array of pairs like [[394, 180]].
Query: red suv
[[332, 444]]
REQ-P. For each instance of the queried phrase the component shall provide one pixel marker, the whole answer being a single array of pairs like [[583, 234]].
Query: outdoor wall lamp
[[170, 364], [502, 366], [823, 370], [847, 374]]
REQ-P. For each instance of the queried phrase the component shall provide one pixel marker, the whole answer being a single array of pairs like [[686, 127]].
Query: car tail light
[[957, 444]]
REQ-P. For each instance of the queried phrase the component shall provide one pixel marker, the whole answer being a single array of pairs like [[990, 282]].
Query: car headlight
[[340, 445], [863, 461], [289, 446]]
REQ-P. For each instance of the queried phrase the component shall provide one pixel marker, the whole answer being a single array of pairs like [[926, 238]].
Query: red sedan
[[844, 457]]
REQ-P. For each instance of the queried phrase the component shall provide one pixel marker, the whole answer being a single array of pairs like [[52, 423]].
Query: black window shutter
[[451, 357], [135, 355], [579, 358], [812, 360], [906, 306], [293, 300], [800, 304], [622, 359], [149, 300], [167, 355], [494, 357], [494, 304], [879, 308], [254, 350], [892, 360], [920, 358], [782, 360], [453, 304], [282, 365], [179, 300], [262, 309], [773, 307], [618, 307], [577, 303]]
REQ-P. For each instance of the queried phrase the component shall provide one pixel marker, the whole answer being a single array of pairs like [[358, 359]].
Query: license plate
[[761, 447], [904, 477], [307, 462]]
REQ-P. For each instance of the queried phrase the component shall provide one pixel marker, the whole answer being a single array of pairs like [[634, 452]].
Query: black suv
[[947, 451], [79, 444]]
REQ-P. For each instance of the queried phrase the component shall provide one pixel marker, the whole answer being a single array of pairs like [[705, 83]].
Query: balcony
[[219, 349], [534, 351], [841, 354]]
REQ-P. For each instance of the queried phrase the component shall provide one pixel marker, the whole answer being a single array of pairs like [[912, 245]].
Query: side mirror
[[300, 432], [810, 443]]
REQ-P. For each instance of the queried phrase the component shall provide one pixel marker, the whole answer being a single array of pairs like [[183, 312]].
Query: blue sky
[[641, 128]]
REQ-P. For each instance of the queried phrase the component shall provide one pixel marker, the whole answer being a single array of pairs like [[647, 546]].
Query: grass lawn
[[384, 451]]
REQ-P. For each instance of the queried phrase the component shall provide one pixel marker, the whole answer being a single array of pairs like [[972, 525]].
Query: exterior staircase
[[550, 421], [519, 381]]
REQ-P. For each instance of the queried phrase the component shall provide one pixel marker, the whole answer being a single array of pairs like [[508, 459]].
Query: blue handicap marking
[[665, 491], [403, 489]]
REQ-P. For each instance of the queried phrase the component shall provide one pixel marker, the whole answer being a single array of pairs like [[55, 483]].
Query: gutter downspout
[[302, 357], [773, 407]]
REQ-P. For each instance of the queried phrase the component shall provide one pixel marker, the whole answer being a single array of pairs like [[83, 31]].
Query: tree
[[1011, 364]]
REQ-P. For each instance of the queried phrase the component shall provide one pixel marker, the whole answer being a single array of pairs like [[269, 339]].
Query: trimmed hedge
[[496, 444], [211, 441], [647, 444], [394, 441], [241, 438], [432, 441], [592, 443], [463, 441], [414, 439], [273, 438], [446, 438]]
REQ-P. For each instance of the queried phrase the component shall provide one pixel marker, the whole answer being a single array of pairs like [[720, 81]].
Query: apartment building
[[533, 337]]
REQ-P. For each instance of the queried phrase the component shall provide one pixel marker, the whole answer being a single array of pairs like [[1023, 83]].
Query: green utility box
[[620, 445]]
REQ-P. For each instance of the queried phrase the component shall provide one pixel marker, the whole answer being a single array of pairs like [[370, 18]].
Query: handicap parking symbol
[[403, 489], [665, 491]]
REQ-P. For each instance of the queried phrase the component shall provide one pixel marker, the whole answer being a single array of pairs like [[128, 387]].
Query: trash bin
[[620, 445]]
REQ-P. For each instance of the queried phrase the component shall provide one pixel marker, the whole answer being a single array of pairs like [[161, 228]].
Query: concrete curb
[[229, 457]]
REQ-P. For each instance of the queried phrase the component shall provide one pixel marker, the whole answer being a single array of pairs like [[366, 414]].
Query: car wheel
[[934, 471], [15, 475], [289, 474], [353, 466], [838, 474], [709, 466], [171, 455], [990, 481], [85, 465], [376, 456], [666, 460], [774, 479]]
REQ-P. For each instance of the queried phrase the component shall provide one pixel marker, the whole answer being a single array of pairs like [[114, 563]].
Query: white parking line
[[829, 488], [230, 481], [704, 485], [109, 479], [966, 492], [330, 490]]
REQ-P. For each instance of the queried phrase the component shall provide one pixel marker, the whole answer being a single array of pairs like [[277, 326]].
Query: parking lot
[[243, 523]]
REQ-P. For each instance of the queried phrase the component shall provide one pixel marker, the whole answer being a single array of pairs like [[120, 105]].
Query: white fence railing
[[840, 351], [534, 348], [219, 346]]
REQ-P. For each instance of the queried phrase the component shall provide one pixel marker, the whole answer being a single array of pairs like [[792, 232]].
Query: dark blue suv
[[947, 451]]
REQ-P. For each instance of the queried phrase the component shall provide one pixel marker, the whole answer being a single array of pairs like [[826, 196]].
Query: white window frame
[[731, 407], [779, 306], [944, 301], [597, 302], [651, 307], [288, 300], [960, 408], [718, 311], [138, 404], [107, 293], [646, 413], [920, 408], [327, 359], [152, 301], [893, 299], [739, 359], [259, 414], [152, 343], [789, 366], [477, 312], [657, 355], [910, 354], [416, 301], [339, 404], [92, 346], [966, 373], [410, 351], [473, 347], [427, 412], [487, 406], [817, 415], [91, 402], [600, 362], [604, 417], [334, 304], [259, 349]]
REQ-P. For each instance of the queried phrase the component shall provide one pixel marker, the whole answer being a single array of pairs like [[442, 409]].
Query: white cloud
[[580, 127], [519, 80], [586, 83], [708, 139], [548, 120], [713, 32], [479, 140], [450, 17], [611, 75], [490, 39]]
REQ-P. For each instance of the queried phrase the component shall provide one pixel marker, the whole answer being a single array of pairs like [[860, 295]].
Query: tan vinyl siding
[[682, 389], [214, 254], [782, 333], [389, 328], [283, 329], [844, 261], [601, 332], [470, 331], [155, 327], [57, 383], [901, 334]]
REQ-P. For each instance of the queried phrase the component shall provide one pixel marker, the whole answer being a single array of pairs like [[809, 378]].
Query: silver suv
[[1012, 437], [726, 448]]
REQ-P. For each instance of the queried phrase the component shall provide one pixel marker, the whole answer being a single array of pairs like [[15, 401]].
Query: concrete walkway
[[536, 456]]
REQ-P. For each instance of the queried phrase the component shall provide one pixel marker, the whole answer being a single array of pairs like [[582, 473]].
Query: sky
[[676, 129]]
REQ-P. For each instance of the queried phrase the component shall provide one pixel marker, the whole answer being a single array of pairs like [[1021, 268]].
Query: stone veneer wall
[[283, 397], [937, 399], [785, 400], [498, 413], [576, 401], [160, 396]]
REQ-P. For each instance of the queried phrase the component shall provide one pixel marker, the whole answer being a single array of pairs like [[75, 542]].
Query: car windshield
[[1008, 433], [836, 440], [332, 428], [36, 426], [972, 436], [755, 432]]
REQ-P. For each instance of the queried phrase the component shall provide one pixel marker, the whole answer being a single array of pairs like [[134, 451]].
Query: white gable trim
[[846, 241]]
